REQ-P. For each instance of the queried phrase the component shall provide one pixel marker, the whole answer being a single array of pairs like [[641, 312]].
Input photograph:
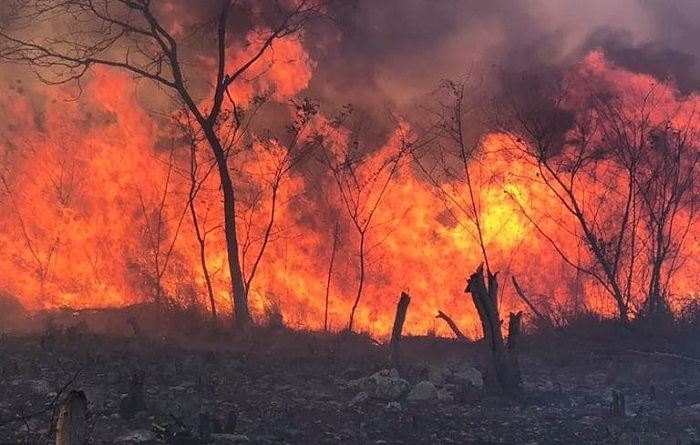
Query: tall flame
[[93, 196]]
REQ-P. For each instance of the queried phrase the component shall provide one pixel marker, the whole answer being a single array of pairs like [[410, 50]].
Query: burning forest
[[299, 164]]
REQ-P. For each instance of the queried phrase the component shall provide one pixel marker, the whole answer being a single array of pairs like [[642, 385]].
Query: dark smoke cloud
[[655, 58], [385, 55], [393, 52]]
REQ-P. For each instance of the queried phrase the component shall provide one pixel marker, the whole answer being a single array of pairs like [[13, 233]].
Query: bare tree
[[279, 159], [160, 242], [43, 252], [200, 168], [661, 159], [43, 240], [448, 161], [134, 36], [623, 174], [362, 180], [263, 164]]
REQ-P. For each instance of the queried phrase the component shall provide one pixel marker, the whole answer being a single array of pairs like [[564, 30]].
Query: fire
[[95, 213]]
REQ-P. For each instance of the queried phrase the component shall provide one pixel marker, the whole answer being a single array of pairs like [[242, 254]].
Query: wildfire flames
[[95, 211]]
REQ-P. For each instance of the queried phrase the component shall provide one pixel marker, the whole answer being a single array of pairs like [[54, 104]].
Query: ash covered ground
[[288, 387]]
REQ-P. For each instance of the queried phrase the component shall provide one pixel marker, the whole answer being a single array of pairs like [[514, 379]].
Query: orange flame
[[91, 204]]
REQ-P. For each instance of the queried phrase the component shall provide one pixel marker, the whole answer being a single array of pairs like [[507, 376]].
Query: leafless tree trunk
[[71, 426], [450, 157], [298, 147], [669, 202], [505, 360], [334, 250], [361, 280]]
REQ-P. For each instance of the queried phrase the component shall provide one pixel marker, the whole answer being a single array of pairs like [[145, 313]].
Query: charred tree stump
[[205, 428], [401, 310], [231, 421], [618, 406], [506, 370], [514, 323], [133, 403], [509, 371], [71, 426]]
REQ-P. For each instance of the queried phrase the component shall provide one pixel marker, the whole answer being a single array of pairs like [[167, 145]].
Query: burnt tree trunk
[[71, 426], [239, 295], [401, 310], [504, 357], [133, 403]]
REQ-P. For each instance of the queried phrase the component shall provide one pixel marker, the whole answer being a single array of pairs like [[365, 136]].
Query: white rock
[[360, 398], [468, 376], [422, 391], [393, 406], [383, 385], [445, 397]]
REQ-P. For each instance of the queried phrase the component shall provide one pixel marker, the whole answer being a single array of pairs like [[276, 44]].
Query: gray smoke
[[385, 55], [393, 52]]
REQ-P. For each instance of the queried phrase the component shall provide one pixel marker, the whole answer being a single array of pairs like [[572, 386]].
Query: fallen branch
[[527, 301], [685, 358], [452, 325], [616, 351]]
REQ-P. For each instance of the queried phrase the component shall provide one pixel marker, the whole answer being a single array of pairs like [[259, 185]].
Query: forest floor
[[287, 387]]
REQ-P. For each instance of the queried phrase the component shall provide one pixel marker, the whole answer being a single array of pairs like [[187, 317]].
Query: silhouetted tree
[[623, 167]]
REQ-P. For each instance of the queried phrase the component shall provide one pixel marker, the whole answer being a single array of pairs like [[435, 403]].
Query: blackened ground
[[295, 388]]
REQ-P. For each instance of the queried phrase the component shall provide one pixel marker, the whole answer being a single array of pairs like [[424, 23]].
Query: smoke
[[393, 52]]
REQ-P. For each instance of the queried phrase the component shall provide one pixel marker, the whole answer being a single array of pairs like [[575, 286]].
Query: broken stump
[[133, 403], [71, 426], [401, 309]]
